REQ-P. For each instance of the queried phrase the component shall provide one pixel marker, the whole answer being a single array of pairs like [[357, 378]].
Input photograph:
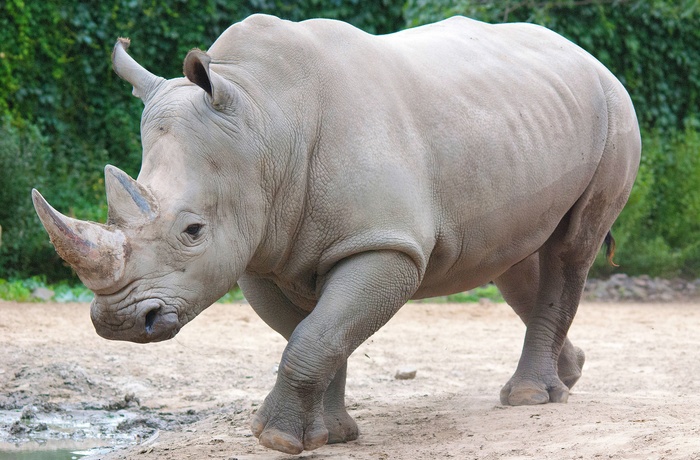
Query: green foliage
[[658, 232], [23, 160], [234, 295], [14, 290], [64, 114], [20, 290], [489, 292]]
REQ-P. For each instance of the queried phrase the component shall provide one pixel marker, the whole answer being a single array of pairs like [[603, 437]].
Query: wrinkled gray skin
[[336, 175]]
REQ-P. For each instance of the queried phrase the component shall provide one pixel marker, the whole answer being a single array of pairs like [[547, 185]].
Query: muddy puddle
[[52, 450], [33, 433]]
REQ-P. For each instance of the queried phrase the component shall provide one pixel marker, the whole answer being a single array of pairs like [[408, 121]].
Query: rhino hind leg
[[340, 425], [563, 264], [519, 287], [570, 364], [536, 379]]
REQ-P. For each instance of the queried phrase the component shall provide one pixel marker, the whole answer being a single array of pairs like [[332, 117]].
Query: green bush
[[23, 160], [26, 162], [658, 232], [14, 291], [64, 114]]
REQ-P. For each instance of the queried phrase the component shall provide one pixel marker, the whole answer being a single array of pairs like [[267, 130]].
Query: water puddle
[[64, 449], [66, 434]]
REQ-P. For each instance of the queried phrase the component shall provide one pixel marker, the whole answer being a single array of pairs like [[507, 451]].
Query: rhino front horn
[[96, 252]]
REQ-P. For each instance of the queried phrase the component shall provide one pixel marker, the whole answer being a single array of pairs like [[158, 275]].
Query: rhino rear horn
[[222, 93], [130, 203], [144, 82], [97, 253]]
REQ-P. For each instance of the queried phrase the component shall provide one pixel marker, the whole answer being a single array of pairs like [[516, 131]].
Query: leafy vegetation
[[489, 292], [21, 290], [64, 114]]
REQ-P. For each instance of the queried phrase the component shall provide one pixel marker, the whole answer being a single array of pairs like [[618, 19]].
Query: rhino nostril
[[151, 319]]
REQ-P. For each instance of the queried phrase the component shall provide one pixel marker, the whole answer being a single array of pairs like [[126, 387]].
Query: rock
[[142, 422], [406, 373], [43, 294], [18, 429], [620, 287], [41, 427], [28, 413]]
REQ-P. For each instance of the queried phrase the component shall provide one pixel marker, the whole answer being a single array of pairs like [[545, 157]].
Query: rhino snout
[[151, 321]]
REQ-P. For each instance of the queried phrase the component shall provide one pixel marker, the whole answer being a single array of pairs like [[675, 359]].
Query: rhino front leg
[[283, 316], [359, 295], [519, 287]]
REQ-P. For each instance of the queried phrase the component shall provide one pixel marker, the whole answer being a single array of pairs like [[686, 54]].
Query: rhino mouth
[[149, 321]]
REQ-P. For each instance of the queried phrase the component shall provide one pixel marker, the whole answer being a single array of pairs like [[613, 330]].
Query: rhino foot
[[523, 392], [278, 426], [570, 364], [341, 427], [287, 440]]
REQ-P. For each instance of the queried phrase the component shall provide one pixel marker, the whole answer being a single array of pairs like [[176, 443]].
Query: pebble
[[28, 413], [406, 373]]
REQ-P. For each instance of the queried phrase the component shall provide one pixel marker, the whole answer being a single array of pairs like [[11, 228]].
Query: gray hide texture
[[335, 175]]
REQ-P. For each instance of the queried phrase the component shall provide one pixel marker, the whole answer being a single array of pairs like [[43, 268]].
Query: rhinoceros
[[335, 175]]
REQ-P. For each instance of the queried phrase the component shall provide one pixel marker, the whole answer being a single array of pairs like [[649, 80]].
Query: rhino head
[[175, 241]]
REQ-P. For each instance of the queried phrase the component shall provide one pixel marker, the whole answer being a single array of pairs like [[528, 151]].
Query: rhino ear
[[143, 81], [129, 203], [222, 93]]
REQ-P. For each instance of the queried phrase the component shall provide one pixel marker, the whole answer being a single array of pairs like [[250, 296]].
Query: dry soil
[[192, 397]]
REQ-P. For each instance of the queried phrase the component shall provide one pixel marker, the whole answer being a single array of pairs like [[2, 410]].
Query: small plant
[[235, 295], [64, 292], [14, 291], [488, 291]]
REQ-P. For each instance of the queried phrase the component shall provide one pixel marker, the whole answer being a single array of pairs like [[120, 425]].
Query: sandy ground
[[192, 397]]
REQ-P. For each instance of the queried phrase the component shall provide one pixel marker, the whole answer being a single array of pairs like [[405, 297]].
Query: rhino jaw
[[97, 253]]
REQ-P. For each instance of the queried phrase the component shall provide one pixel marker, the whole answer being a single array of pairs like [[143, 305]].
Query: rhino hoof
[[523, 396], [341, 428], [280, 441]]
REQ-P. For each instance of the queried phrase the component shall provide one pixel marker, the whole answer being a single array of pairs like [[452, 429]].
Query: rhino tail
[[609, 243]]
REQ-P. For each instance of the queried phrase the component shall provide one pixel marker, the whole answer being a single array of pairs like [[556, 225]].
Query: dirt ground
[[192, 397]]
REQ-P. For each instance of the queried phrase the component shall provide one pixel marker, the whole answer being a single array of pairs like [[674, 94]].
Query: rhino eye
[[193, 230]]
